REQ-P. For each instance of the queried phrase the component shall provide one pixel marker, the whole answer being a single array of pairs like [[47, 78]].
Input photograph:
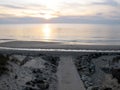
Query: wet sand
[[56, 45]]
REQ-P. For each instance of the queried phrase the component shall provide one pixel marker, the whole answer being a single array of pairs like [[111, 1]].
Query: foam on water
[[59, 50]]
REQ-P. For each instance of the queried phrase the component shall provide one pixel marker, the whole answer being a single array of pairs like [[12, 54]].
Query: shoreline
[[34, 46]]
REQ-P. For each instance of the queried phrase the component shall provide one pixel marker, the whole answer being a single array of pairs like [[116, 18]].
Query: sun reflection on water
[[47, 32]]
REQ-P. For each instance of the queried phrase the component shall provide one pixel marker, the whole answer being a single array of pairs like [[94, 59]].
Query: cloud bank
[[60, 11]]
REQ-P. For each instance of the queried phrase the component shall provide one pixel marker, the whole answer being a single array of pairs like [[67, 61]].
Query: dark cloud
[[12, 6], [99, 16], [107, 2], [85, 19], [6, 15], [63, 19], [20, 20], [30, 6]]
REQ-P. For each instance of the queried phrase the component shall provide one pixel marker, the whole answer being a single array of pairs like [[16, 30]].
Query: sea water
[[88, 34]]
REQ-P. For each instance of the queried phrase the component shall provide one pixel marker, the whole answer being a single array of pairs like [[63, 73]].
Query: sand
[[56, 45], [68, 77], [66, 65]]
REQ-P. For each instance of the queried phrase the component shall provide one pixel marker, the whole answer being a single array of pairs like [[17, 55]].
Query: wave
[[59, 50]]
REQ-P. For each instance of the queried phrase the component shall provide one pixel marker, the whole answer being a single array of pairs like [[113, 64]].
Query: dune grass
[[3, 63]]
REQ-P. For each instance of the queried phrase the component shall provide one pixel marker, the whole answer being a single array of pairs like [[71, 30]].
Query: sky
[[60, 11]]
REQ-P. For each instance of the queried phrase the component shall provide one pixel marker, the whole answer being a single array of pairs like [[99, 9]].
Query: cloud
[[67, 11], [63, 19], [118, 1], [32, 10], [12, 6], [21, 20], [78, 9], [23, 7], [5, 15], [108, 2]]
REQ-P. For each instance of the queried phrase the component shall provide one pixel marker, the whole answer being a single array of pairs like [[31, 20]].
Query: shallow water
[[90, 34]]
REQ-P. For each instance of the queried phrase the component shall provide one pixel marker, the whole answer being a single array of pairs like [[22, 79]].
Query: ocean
[[85, 34]]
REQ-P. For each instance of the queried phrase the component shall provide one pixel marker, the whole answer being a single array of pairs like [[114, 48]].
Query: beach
[[57, 45], [60, 45], [31, 65]]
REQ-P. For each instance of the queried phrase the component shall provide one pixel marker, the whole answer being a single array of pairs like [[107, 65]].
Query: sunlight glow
[[47, 32], [50, 4], [47, 16], [49, 9]]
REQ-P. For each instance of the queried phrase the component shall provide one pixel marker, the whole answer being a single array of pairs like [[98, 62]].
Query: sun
[[47, 16]]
